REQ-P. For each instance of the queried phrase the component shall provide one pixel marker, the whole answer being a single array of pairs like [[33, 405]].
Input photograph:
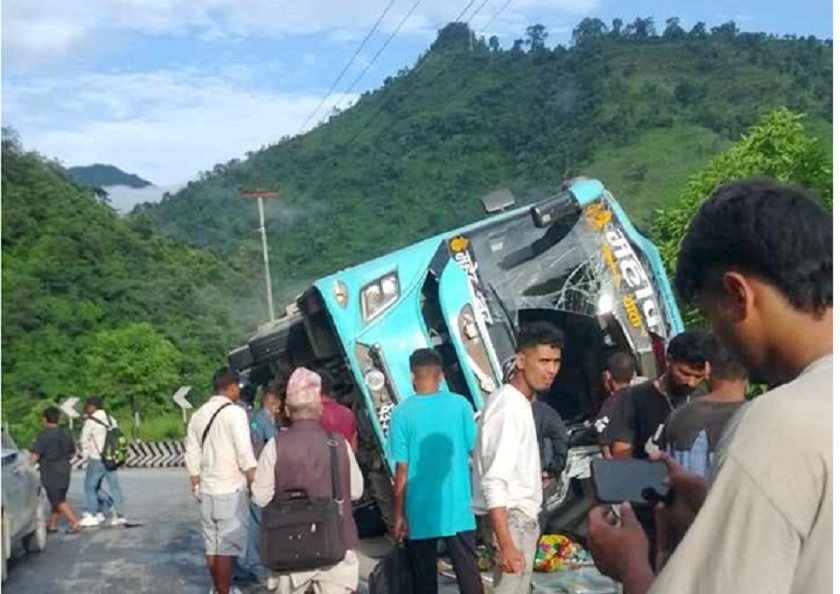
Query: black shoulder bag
[[298, 533], [213, 418]]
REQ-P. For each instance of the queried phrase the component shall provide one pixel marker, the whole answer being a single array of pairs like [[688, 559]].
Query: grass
[[650, 172], [154, 428]]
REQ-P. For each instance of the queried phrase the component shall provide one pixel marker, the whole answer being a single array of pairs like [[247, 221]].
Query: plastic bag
[[392, 575]]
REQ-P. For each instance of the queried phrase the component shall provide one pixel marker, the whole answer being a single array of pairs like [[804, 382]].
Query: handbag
[[299, 533]]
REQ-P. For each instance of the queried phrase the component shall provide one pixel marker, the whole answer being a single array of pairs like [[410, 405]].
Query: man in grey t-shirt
[[757, 260], [692, 432]]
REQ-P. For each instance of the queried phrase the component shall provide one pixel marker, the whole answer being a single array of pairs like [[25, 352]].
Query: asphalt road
[[166, 553]]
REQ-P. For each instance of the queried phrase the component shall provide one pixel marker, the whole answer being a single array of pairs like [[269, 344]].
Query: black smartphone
[[636, 481]]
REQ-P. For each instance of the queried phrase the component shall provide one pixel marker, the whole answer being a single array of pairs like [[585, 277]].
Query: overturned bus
[[573, 259]]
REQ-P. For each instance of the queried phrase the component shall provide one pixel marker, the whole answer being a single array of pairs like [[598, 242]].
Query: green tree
[[673, 30], [133, 367], [698, 31], [617, 26], [727, 31], [776, 147], [588, 30], [537, 34]]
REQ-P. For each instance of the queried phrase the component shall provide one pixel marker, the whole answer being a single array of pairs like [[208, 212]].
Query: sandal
[[51, 530], [74, 529]]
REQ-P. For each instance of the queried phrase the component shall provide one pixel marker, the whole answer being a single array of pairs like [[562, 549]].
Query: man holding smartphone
[[757, 260], [507, 458]]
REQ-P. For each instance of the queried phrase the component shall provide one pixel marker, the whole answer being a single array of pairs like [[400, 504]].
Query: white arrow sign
[[68, 407], [180, 397]]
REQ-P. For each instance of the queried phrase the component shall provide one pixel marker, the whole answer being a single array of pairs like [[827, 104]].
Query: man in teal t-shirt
[[431, 437]]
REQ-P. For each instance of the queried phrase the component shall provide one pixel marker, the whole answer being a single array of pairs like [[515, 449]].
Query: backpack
[[114, 452]]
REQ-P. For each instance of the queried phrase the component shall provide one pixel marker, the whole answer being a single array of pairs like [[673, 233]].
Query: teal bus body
[[400, 329]]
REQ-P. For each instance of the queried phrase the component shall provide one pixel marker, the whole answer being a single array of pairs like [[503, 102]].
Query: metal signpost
[[68, 407]]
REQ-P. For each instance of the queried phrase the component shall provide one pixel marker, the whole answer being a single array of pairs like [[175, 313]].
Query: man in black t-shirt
[[53, 450], [635, 424], [619, 375]]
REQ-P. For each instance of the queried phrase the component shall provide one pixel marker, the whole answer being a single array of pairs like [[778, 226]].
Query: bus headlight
[[379, 295], [340, 293]]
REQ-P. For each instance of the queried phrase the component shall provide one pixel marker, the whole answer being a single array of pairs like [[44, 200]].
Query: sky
[[167, 88]]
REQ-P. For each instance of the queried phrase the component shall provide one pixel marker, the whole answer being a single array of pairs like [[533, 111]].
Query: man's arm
[[621, 449], [620, 432], [499, 450], [741, 534], [400, 524], [263, 486], [357, 480], [240, 434], [398, 448], [192, 456], [559, 442]]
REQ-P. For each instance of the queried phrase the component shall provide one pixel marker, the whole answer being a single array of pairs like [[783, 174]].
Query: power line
[[427, 59], [495, 16], [379, 53], [349, 63]]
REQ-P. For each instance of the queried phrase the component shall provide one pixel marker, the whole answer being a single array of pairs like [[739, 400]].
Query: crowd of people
[[751, 480]]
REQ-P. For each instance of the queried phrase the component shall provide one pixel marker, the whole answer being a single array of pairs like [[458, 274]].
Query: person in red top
[[336, 417]]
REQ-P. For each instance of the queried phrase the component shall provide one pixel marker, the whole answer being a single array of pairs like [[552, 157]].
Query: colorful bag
[[556, 552]]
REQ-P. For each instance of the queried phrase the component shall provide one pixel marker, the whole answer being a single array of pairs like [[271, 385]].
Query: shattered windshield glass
[[583, 264]]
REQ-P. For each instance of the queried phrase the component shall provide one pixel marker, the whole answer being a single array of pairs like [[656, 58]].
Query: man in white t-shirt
[[221, 463], [507, 458], [757, 261]]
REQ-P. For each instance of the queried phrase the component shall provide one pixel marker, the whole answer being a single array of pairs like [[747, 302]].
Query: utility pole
[[261, 195]]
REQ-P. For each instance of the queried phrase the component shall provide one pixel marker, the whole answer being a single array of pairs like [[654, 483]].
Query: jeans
[[94, 475], [525, 532], [424, 557], [251, 563]]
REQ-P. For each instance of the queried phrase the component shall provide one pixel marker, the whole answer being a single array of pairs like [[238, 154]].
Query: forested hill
[[639, 110], [102, 176], [93, 304]]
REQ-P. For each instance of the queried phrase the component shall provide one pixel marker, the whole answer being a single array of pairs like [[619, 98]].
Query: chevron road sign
[[180, 398], [68, 407]]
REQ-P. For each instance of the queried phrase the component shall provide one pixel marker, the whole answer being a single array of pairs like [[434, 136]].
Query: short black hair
[[689, 348], [223, 378], [96, 402], [539, 334], [776, 231], [723, 364], [51, 415], [622, 367], [327, 383], [274, 388], [425, 358]]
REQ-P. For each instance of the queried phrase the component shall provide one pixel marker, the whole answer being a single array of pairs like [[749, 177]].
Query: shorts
[[55, 484], [224, 520], [56, 495]]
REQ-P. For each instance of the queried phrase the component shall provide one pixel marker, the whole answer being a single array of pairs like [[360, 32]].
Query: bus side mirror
[[498, 201]]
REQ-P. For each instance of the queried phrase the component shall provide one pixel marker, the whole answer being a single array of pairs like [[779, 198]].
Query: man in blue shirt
[[263, 423], [431, 438]]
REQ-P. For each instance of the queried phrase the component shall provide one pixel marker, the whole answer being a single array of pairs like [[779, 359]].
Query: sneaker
[[89, 521], [235, 590], [118, 520], [100, 517], [272, 583]]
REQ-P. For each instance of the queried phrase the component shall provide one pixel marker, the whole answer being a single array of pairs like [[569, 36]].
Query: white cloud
[[34, 36], [124, 198], [165, 126]]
